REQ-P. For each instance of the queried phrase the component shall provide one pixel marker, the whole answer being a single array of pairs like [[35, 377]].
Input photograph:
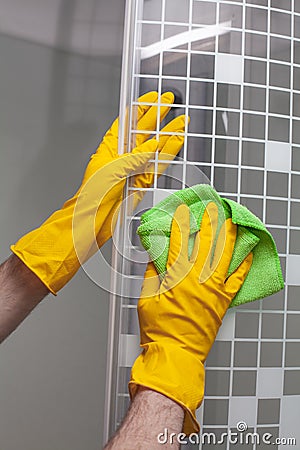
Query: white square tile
[[129, 348], [269, 382], [278, 156], [226, 331], [229, 68], [289, 420], [292, 270], [242, 409]]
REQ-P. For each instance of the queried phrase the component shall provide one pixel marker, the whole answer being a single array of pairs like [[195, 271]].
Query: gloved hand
[[55, 250], [180, 317]]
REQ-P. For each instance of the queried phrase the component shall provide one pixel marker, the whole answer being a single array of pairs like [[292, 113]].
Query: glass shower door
[[234, 67]]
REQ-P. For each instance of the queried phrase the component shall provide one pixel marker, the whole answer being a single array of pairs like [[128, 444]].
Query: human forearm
[[149, 415], [20, 291]]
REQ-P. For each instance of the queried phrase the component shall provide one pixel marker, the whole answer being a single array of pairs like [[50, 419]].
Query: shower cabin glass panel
[[234, 67]]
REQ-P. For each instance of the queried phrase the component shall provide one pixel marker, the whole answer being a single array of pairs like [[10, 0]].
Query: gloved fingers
[[148, 121], [151, 281], [234, 283], [207, 235], [179, 237], [176, 125], [149, 97], [224, 247], [130, 162]]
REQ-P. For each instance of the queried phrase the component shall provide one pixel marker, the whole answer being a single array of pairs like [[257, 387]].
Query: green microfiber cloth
[[265, 276]]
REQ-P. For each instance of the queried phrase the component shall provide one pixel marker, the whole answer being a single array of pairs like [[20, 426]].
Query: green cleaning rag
[[265, 276]]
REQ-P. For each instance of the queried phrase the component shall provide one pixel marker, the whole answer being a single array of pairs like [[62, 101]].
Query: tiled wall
[[241, 89]]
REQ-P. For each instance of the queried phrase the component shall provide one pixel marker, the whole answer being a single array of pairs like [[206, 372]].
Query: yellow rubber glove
[[55, 250], [180, 317]]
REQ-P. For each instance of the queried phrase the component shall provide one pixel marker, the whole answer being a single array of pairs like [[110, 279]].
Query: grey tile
[[274, 302], [215, 412], [279, 102], [202, 66], [256, 45], [225, 179], [280, 49], [174, 15], [293, 303], [291, 384], [276, 212], [255, 71], [256, 19], [201, 121], [253, 154], [271, 354], [279, 75], [171, 178], [273, 432], [244, 383], [173, 67], [245, 354], [297, 7], [296, 158], [296, 105], [219, 355], [252, 182], [279, 4], [255, 205], [204, 13], [296, 132], [294, 242], [198, 149], [279, 236], [254, 98], [253, 306], [292, 354], [150, 66], [292, 326], [246, 325], [268, 411], [279, 129], [296, 52], [295, 214], [282, 260], [201, 93], [296, 186], [272, 326], [217, 382], [226, 151], [233, 13], [258, 2], [253, 126], [130, 323], [124, 377], [150, 13], [296, 80], [227, 123], [231, 43], [178, 87], [228, 95], [280, 23], [197, 174], [151, 33], [277, 184]]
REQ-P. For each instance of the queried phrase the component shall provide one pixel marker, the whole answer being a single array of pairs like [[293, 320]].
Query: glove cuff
[[173, 372]]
